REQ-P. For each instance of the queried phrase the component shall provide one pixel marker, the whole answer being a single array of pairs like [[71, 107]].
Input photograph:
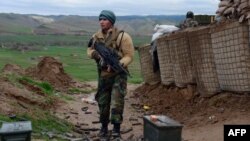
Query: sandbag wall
[[203, 61], [147, 66], [165, 52], [181, 59], [234, 9], [230, 43]]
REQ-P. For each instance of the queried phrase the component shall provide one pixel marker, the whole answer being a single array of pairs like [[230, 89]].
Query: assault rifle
[[110, 57]]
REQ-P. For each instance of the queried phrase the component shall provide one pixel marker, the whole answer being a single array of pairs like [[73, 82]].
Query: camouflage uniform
[[189, 22], [111, 93], [112, 86]]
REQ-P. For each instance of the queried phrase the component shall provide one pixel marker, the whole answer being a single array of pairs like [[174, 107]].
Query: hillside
[[79, 25], [15, 23]]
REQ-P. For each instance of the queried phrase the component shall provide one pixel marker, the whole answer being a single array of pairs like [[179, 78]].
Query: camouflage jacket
[[118, 40], [189, 23]]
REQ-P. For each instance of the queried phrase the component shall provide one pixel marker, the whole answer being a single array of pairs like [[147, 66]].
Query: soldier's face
[[105, 24]]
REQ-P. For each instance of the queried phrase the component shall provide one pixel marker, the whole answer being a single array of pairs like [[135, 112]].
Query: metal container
[[161, 129], [16, 131]]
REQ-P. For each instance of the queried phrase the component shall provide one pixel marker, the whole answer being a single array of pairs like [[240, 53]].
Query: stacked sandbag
[[160, 30], [203, 61], [165, 54], [181, 58], [163, 29], [147, 67], [234, 9], [230, 43]]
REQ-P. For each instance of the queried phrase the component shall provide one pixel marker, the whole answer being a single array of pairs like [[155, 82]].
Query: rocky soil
[[202, 118]]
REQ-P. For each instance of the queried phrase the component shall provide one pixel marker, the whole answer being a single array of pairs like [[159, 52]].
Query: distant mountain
[[15, 23], [73, 24]]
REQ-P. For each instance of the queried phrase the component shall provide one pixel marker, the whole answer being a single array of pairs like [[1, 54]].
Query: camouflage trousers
[[110, 98]]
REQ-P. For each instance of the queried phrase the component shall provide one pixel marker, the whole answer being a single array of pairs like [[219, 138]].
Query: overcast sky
[[120, 7]]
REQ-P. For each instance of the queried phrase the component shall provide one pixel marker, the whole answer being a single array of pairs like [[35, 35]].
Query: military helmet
[[190, 14]]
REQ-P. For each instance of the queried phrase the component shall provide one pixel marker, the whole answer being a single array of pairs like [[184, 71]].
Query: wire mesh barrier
[[216, 58], [146, 66], [203, 61], [165, 53], [182, 65], [230, 43]]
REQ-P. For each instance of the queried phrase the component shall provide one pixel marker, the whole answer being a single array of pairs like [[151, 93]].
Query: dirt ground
[[202, 118], [74, 113]]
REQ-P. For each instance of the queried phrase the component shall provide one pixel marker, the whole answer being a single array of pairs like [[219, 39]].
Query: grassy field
[[71, 52], [44, 40]]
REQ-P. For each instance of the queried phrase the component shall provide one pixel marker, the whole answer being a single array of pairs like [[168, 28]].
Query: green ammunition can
[[16, 131]]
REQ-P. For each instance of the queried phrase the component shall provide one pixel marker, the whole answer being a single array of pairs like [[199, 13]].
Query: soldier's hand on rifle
[[122, 63], [101, 62], [96, 56]]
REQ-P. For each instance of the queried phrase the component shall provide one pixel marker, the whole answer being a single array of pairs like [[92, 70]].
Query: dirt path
[[72, 111], [213, 131], [203, 118], [194, 128]]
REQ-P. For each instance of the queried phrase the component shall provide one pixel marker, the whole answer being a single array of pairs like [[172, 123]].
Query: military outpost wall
[[215, 57], [146, 66]]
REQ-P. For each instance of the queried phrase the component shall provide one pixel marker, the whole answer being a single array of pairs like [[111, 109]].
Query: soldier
[[189, 21], [111, 85]]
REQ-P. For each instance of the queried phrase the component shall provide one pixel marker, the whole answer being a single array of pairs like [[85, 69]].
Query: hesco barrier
[[147, 66], [230, 43], [203, 61], [215, 57], [182, 65], [165, 61]]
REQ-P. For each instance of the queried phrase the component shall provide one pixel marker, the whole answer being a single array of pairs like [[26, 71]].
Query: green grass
[[79, 91], [69, 49], [50, 40], [15, 28], [75, 61], [13, 79], [42, 121], [141, 40], [4, 119], [45, 86], [30, 39]]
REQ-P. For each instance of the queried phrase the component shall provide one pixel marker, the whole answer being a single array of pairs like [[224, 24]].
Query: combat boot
[[104, 130], [116, 130]]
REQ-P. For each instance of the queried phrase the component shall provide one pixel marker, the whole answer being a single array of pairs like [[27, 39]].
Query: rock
[[96, 122], [130, 137], [84, 124], [73, 112], [88, 112], [221, 110], [69, 135], [84, 108], [93, 135], [66, 117], [133, 119], [79, 139], [89, 129], [137, 123], [126, 130]]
